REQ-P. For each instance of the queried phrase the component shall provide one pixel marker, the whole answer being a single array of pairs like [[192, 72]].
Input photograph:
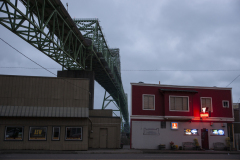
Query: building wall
[[113, 126], [237, 119], [43, 91], [48, 144], [139, 140], [162, 100], [100, 113]]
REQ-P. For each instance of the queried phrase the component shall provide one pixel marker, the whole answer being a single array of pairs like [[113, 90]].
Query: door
[[103, 137], [204, 138]]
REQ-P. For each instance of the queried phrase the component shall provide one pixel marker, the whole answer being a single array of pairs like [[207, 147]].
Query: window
[[225, 104], [217, 132], [148, 102], [163, 124], [38, 133], [73, 133], [206, 103], [189, 132], [14, 133], [178, 103], [56, 133]]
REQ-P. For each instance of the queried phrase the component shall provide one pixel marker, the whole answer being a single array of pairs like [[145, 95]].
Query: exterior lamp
[[204, 110]]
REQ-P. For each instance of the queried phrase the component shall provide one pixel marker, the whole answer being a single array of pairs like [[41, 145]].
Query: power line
[[39, 65], [28, 68], [166, 70], [233, 80], [141, 70]]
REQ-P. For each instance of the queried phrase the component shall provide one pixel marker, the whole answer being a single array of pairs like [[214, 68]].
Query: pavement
[[126, 150]]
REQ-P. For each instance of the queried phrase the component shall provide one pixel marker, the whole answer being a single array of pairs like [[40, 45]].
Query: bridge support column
[[81, 74]]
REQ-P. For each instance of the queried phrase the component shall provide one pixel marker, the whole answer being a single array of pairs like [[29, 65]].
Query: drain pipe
[[91, 125]]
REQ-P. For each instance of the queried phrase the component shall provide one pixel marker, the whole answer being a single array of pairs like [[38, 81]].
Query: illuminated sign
[[174, 125], [217, 132], [204, 115], [191, 131]]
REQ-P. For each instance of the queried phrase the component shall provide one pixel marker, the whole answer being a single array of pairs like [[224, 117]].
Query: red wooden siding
[[162, 101]]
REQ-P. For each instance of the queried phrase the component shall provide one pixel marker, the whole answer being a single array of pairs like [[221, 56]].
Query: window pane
[[146, 102], [56, 133], [14, 133], [38, 133], [74, 133], [206, 103], [151, 102], [185, 103], [178, 103], [172, 103]]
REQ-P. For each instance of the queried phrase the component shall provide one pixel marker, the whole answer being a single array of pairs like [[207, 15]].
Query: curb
[[115, 152]]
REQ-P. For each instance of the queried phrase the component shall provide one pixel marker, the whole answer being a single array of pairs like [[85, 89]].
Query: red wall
[[162, 101]]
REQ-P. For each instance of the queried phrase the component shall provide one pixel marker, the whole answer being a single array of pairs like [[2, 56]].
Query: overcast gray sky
[[155, 35]]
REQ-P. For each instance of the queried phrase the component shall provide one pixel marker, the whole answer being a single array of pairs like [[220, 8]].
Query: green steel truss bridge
[[75, 44]]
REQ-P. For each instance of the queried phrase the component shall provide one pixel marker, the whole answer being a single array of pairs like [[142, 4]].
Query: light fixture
[[204, 109]]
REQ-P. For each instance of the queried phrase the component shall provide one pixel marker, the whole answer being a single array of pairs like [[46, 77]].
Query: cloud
[[154, 35]]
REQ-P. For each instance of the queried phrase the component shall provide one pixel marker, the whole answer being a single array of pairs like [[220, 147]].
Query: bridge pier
[[81, 74]]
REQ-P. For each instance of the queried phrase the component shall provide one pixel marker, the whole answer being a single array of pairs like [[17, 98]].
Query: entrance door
[[204, 138], [103, 137]]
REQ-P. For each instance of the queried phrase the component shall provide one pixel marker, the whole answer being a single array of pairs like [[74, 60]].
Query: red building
[[164, 113]]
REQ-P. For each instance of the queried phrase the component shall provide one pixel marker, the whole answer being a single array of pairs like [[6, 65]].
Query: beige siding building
[[52, 114]]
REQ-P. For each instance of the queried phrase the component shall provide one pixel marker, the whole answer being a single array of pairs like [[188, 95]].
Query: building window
[[73, 133], [178, 103], [14, 133], [217, 132], [38, 133], [163, 124], [225, 104], [56, 133], [148, 102], [206, 103]]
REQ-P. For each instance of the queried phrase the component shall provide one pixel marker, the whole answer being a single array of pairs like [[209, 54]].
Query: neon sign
[[174, 125], [204, 115], [191, 131], [218, 132]]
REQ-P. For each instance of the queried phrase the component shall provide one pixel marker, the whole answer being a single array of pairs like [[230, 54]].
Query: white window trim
[[223, 103], [153, 101], [178, 110], [211, 103]]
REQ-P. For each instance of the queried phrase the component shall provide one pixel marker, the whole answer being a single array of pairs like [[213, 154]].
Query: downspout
[[91, 125]]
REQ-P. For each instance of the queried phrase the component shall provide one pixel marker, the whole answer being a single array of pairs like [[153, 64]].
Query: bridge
[[75, 44]]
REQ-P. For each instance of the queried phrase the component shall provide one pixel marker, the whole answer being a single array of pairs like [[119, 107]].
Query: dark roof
[[176, 90]]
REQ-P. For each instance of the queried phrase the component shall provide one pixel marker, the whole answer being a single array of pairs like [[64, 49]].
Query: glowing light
[[174, 125], [194, 131], [205, 115], [221, 132], [203, 109], [215, 132]]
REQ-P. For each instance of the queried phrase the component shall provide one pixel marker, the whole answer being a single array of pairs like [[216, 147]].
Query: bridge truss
[[77, 44]]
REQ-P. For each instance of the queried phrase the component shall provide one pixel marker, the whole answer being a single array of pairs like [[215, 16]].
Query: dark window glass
[[163, 124], [38, 133], [56, 133], [73, 133], [14, 133]]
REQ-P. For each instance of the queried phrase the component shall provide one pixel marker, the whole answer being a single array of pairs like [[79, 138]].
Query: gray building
[[53, 114]]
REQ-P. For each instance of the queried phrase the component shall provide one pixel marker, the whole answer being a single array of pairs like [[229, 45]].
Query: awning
[[33, 111]]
